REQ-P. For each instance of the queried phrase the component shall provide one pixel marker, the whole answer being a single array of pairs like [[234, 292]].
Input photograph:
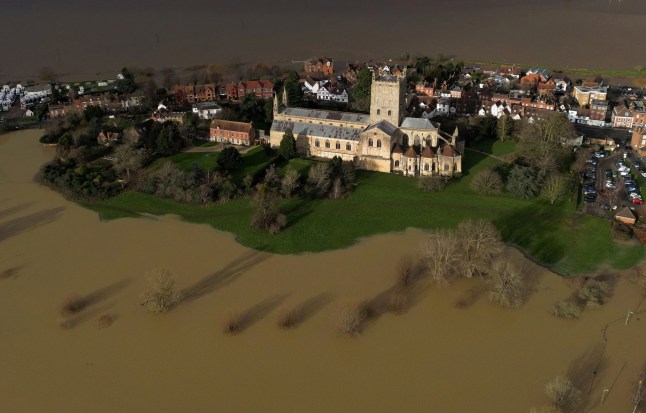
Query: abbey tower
[[388, 96]]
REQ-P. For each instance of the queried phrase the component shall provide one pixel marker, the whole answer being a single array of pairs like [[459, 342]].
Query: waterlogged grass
[[554, 235]]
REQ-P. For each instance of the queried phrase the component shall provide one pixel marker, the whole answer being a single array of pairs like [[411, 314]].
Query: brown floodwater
[[83, 39], [433, 358]]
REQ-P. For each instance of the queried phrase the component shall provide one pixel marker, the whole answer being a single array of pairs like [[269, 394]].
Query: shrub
[[229, 159], [405, 268], [73, 304], [290, 317], [594, 293], [487, 182], [104, 321], [159, 297], [432, 183], [566, 309], [562, 393], [506, 285], [351, 317], [233, 323]]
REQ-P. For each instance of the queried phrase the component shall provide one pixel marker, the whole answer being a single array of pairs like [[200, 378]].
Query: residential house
[[333, 93], [513, 71], [262, 89], [585, 94], [351, 72], [162, 114], [235, 133], [598, 112], [323, 65], [195, 93], [543, 73], [638, 108], [638, 141], [562, 83], [207, 110], [312, 86], [58, 111], [546, 88], [626, 216], [29, 113], [622, 117], [107, 138]]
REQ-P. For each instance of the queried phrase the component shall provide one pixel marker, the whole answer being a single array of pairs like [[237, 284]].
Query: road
[[617, 134]]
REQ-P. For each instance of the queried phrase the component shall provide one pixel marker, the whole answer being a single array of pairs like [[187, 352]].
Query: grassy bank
[[554, 235], [627, 73]]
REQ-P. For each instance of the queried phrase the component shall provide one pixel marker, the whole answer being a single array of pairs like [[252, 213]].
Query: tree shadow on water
[[224, 276], [28, 222], [534, 229], [584, 372], [260, 311]]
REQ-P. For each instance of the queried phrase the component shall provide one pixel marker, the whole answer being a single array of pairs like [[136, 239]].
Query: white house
[[332, 94], [207, 110], [313, 86], [29, 113], [444, 107]]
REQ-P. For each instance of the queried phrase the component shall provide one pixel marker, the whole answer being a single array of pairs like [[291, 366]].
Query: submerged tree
[[505, 285], [159, 296]]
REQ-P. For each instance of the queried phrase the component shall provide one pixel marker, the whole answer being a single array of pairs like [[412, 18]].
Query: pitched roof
[[448, 150], [427, 152], [327, 115], [320, 131], [384, 126], [398, 149], [410, 152], [626, 213], [418, 123], [232, 126]]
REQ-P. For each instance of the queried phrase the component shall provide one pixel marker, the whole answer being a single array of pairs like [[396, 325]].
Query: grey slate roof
[[319, 131], [384, 126], [327, 115], [418, 123]]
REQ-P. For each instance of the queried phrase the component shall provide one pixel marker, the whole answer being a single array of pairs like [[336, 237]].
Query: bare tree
[[159, 296], [554, 188], [479, 242], [562, 394], [440, 252], [639, 391], [505, 285], [351, 317], [405, 267], [487, 182], [290, 182], [127, 159], [319, 178]]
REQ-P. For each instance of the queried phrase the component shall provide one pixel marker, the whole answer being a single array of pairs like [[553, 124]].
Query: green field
[[554, 235]]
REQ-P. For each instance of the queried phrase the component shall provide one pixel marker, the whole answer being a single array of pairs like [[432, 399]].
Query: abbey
[[384, 141]]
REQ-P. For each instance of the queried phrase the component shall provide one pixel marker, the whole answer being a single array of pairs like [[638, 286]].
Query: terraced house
[[385, 140]]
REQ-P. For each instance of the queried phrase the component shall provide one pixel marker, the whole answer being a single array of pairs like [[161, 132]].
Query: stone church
[[384, 141]]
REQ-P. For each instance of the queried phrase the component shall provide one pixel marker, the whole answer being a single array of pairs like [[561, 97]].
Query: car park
[[588, 199], [637, 201]]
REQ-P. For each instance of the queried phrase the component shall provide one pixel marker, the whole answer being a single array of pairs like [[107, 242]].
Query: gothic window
[[397, 164], [327, 144], [370, 142], [338, 145], [378, 143], [317, 143], [348, 147], [390, 112], [446, 167], [416, 140], [378, 112], [426, 168]]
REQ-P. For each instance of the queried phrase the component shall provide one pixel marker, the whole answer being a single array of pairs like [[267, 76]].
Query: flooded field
[[434, 358], [597, 34]]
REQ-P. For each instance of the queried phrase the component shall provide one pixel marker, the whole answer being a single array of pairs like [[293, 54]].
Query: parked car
[[588, 199], [637, 201], [624, 173]]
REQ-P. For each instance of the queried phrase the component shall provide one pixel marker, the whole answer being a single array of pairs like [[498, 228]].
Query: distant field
[[554, 235]]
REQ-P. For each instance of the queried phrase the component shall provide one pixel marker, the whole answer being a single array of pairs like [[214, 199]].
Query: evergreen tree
[[287, 148]]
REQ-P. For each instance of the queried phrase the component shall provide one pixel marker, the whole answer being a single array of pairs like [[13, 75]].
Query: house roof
[[410, 152], [384, 126], [626, 213], [398, 149], [427, 152], [327, 115], [622, 111], [418, 123], [231, 125], [320, 131], [448, 150], [206, 105]]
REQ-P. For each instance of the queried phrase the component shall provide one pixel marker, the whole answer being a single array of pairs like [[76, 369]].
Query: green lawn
[[553, 235], [253, 161]]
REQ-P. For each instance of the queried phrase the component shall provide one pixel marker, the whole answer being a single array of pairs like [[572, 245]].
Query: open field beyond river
[[435, 357]]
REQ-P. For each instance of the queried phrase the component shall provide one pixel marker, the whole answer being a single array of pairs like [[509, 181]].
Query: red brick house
[[323, 65], [622, 117], [107, 138], [235, 133], [262, 89], [626, 216], [638, 142], [599, 110], [195, 93]]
